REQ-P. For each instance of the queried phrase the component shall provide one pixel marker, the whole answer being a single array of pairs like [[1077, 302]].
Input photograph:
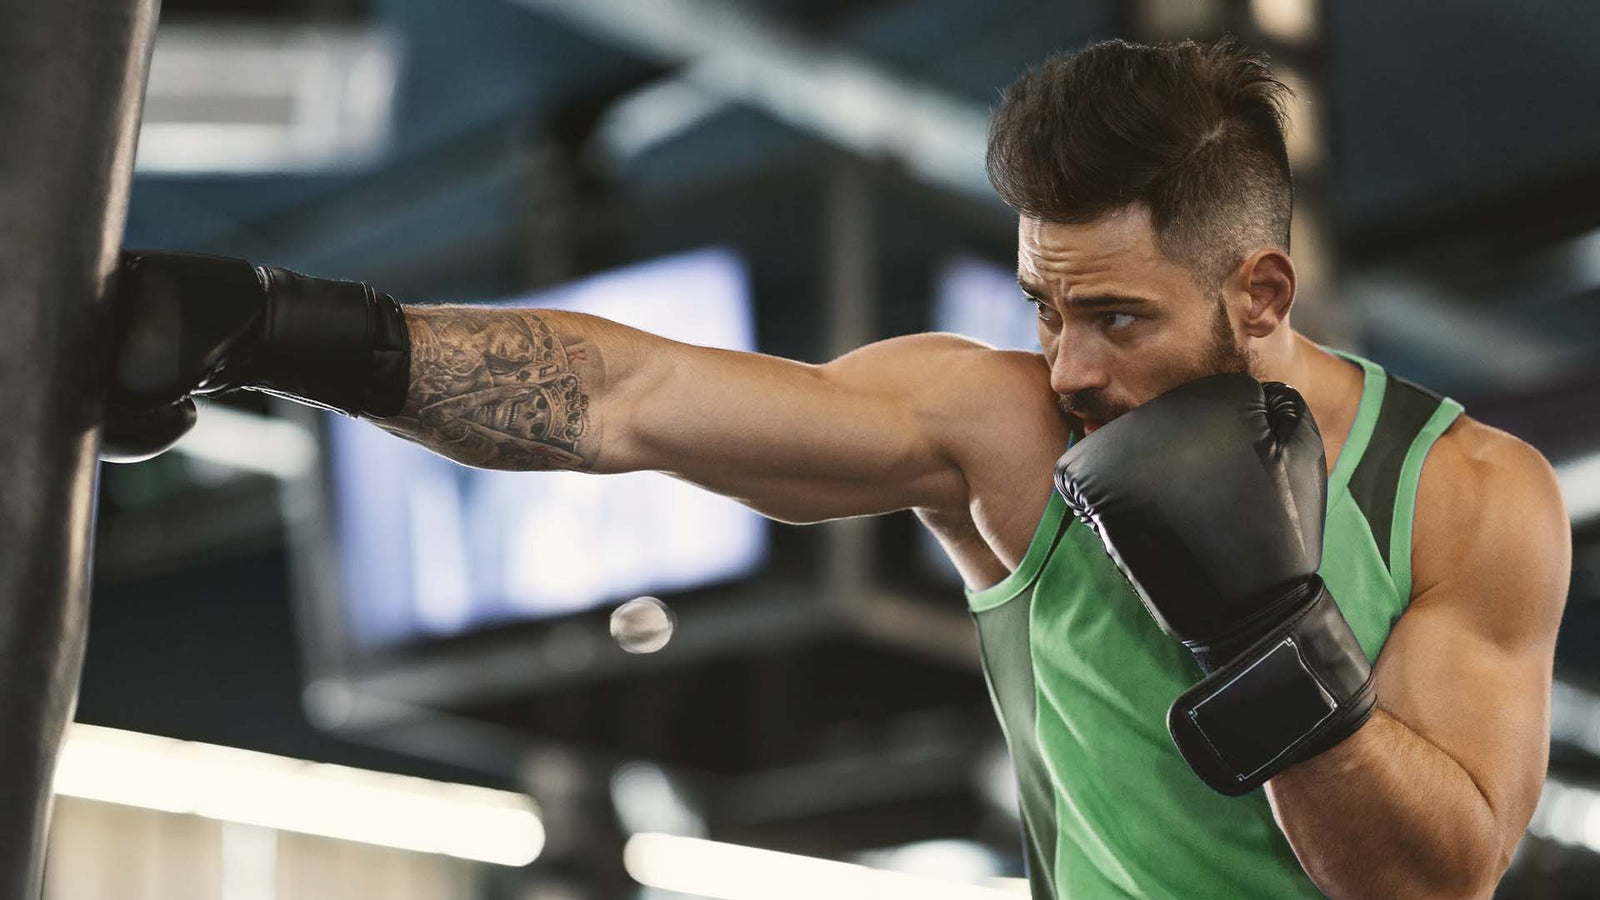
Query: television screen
[[429, 548], [981, 300]]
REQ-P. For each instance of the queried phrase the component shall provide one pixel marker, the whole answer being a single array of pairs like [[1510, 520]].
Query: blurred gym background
[[325, 663]]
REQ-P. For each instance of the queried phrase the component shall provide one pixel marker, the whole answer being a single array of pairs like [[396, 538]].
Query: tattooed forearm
[[504, 388]]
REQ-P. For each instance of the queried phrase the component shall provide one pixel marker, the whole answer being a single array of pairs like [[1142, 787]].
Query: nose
[[1076, 369]]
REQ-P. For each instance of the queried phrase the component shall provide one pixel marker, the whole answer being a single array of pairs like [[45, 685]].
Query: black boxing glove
[[134, 435], [188, 324], [1210, 499]]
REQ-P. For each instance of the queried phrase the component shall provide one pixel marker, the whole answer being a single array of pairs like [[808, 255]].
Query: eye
[[1040, 308], [1117, 321]]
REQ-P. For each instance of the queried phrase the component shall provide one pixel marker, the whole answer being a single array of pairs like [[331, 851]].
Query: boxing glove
[[1210, 499], [187, 324]]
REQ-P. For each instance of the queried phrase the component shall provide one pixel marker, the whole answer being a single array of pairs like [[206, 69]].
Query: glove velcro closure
[[335, 344], [1299, 690]]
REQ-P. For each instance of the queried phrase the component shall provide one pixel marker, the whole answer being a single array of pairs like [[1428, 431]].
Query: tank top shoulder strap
[[1398, 422], [1052, 525]]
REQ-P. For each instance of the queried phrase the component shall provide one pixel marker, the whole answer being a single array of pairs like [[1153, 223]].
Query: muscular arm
[[514, 389], [870, 432], [1429, 798]]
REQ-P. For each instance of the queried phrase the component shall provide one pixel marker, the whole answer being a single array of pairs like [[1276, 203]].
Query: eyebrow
[[1095, 301]]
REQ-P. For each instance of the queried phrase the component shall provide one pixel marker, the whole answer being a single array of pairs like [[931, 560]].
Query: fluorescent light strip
[[1568, 815], [1580, 487], [1575, 716], [250, 442], [249, 98], [243, 786], [730, 872], [1294, 21]]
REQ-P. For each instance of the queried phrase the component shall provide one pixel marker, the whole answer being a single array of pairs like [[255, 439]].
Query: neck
[[1286, 356], [1331, 386]]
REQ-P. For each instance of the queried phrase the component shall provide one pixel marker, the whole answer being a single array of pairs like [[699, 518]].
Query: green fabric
[[1010, 679], [1406, 497], [1082, 677]]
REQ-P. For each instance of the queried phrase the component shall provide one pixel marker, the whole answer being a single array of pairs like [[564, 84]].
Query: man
[[1154, 199]]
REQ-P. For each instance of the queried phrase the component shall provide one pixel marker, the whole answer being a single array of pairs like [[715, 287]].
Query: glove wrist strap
[[1299, 690], [338, 345]]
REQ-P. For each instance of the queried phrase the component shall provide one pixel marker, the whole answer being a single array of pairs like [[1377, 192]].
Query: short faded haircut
[[1194, 132]]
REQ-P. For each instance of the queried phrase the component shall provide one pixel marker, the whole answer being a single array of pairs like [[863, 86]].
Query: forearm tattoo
[[501, 388]]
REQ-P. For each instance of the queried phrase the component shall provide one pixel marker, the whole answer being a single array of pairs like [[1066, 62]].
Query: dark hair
[[1192, 131]]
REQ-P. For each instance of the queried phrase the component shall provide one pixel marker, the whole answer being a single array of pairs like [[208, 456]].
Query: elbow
[[1469, 870], [1480, 875], [1469, 863], [1481, 853], [1475, 881], [1472, 872]]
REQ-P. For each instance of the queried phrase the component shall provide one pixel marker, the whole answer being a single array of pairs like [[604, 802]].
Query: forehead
[[1116, 253], [1121, 244]]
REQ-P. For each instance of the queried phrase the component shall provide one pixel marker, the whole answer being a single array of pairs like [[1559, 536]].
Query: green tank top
[[1081, 677]]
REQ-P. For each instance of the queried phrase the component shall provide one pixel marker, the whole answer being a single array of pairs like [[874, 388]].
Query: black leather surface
[[1300, 690], [69, 113], [1209, 498]]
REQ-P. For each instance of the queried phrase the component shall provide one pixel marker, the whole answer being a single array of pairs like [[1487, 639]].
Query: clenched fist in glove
[[1210, 499], [187, 324]]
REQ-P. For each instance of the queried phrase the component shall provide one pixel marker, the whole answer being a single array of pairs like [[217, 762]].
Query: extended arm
[[889, 426], [1430, 797], [530, 389]]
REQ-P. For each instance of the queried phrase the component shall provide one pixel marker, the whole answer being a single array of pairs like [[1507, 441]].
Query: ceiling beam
[[734, 54]]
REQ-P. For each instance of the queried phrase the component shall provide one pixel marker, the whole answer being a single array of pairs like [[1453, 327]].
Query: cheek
[[1176, 359]]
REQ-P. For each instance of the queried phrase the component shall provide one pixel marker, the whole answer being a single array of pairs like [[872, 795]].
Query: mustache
[[1090, 405]]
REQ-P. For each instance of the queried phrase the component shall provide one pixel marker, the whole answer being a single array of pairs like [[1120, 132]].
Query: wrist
[[335, 344], [1268, 619], [1300, 690], [1342, 760]]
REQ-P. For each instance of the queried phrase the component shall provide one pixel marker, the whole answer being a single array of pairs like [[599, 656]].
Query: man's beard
[[1224, 355], [1227, 355]]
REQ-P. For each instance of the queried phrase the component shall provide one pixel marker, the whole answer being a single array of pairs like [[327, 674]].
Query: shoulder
[[938, 356], [1018, 371], [962, 392], [974, 357], [1489, 510], [949, 381], [990, 412], [1472, 465], [976, 394], [957, 375]]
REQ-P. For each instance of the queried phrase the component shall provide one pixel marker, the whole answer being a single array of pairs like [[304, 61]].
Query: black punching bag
[[70, 97]]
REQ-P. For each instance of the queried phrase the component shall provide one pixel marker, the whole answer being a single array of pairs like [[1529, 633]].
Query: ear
[[1267, 276]]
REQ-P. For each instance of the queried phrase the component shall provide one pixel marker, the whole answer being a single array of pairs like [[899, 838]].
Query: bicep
[[1482, 703], [1468, 666], [800, 442]]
